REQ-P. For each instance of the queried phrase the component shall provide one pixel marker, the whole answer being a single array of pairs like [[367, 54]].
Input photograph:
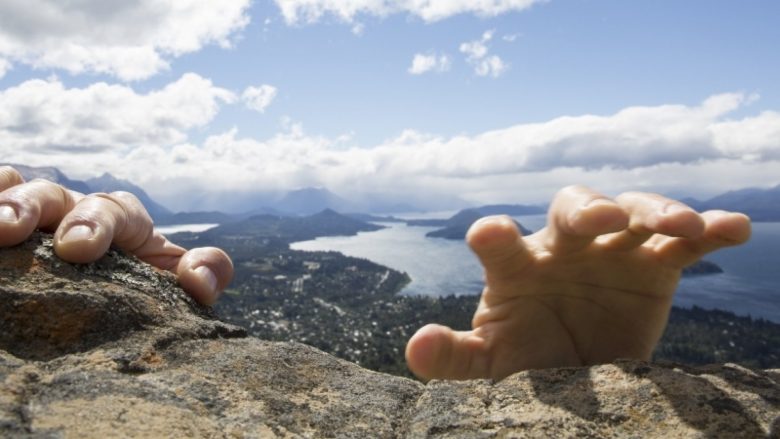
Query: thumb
[[438, 352]]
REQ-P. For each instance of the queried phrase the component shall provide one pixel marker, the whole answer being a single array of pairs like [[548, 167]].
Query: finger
[[204, 273], [499, 246], [97, 221], [160, 252], [651, 214], [438, 352], [721, 229], [578, 215], [25, 207], [9, 177]]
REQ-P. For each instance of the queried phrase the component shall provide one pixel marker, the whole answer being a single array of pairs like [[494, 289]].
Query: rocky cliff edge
[[116, 349]]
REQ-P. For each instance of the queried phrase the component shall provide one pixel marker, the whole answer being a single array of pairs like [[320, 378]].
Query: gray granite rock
[[116, 349]]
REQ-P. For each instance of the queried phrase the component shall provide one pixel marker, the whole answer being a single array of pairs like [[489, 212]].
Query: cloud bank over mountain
[[144, 137]]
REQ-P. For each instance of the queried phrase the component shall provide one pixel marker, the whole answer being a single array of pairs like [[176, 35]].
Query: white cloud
[[130, 40], [358, 29], [426, 63], [310, 11], [477, 55], [477, 49], [490, 66], [41, 120], [259, 98], [754, 138], [5, 66], [697, 149], [652, 148]]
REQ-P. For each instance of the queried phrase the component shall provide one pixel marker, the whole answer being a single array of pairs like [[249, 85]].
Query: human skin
[[85, 226], [594, 285]]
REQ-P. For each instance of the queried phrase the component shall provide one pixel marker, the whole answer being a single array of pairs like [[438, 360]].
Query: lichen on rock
[[115, 348]]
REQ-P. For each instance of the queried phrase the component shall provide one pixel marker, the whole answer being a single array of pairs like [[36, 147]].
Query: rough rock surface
[[115, 349]]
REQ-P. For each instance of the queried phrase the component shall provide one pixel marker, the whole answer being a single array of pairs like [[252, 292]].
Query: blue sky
[[520, 97]]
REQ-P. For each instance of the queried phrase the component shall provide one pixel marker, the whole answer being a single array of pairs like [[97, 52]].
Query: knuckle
[[43, 182], [130, 203], [100, 204], [575, 191], [98, 197], [10, 176], [628, 196], [125, 196]]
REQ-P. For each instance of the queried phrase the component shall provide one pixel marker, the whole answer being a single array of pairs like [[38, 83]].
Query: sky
[[441, 102]]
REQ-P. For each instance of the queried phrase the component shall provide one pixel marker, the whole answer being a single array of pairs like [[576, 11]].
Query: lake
[[176, 228], [438, 267]]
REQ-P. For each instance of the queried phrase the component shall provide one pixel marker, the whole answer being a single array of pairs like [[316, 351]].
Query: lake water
[[194, 228], [749, 286]]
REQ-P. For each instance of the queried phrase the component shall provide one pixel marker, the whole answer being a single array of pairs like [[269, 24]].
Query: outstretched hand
[[595, 285], [85, 226]]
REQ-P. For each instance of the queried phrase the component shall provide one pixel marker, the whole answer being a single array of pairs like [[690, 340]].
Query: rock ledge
[[115, 348]]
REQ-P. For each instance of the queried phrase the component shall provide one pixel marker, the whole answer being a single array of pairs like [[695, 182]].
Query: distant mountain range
[[104, 183], [312, 200], [290, 229], [109, 183], [759, 204], [49, 173], [456, 226]]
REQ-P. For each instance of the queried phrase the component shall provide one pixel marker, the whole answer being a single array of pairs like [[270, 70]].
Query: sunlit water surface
[[750, 284]]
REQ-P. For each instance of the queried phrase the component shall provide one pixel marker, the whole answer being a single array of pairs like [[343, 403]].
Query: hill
[[511, 209], [311, 200], [758, 204], [286, 230], [457, 226]]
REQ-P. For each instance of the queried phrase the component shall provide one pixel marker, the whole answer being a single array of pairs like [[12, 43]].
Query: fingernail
[[676, 208], [599, 202], [208, 276], [79, 232], [8, 214]]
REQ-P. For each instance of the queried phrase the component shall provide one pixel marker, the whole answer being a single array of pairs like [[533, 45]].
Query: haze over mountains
[[759, 204]]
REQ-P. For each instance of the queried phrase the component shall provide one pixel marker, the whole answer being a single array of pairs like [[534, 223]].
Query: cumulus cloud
[[130, 40], [662, 147], [422, 63], [310, 11], [655, 148], [40, 119], [259, 98], [477, 55]]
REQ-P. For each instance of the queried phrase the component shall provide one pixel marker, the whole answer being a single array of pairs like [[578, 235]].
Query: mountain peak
[[310, 200]]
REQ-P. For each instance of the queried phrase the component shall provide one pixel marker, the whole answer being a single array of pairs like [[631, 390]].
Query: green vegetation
[[350, 307], [698, 336]]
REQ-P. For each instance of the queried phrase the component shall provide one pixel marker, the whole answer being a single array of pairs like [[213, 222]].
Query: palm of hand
[[586, 307], [595, 285]]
